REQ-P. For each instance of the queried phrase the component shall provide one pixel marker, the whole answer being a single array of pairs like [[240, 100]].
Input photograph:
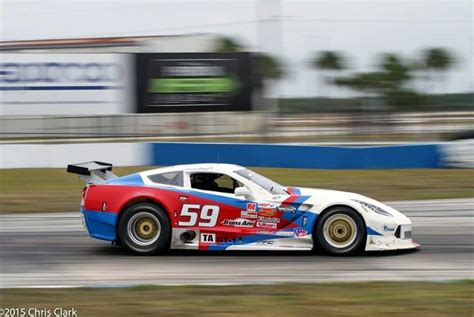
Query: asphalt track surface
[[53, 250]]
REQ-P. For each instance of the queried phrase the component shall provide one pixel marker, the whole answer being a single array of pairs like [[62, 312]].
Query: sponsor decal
[[265, 232], [299, 232], [251, 206], [248, 214], [287, 209], [266, 242], [387, 228], [267, 212], [269, 219], [208, 237], [238, 222], [225, 240], [266, 225], [284, 233], [138, 193]]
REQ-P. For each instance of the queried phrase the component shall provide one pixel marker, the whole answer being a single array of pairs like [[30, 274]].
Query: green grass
[[339, 299], [54, 190]]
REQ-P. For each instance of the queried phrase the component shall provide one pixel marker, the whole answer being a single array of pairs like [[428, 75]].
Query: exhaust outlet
[[188, 236]]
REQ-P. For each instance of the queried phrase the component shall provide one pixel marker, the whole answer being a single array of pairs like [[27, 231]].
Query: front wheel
[[144, 228], [340, 231]]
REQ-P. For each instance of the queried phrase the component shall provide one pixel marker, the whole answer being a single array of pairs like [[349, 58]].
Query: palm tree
[[396, 71], [268, 66], [264, 66], [227, 45], [437, 60], [329, 61]]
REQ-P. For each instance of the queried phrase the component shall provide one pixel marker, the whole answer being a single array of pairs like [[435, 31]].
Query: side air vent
[[397, 232]]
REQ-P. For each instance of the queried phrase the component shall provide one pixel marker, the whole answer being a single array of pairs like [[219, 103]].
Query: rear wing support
[[92, 172]]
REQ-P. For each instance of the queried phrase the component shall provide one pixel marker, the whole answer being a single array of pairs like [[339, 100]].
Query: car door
[[210, 206]]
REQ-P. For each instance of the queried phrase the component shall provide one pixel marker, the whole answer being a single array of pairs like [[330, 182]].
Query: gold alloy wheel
[[340, 230], [144, 228]]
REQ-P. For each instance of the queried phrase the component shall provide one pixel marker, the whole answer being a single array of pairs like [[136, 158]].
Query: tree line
[[391, 81]]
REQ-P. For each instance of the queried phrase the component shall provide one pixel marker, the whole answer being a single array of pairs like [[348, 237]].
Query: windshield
[[267, 184]]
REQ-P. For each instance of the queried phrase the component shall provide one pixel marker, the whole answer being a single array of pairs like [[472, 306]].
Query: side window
[[214, 182], [170, 178]]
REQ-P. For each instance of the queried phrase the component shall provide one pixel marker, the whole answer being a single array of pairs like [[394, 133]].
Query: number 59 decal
[[207, 215]]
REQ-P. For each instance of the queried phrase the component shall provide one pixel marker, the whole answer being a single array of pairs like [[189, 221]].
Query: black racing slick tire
[[144, 228], [340, 231]]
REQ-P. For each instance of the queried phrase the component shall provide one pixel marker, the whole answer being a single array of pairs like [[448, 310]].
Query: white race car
[[229, 207]]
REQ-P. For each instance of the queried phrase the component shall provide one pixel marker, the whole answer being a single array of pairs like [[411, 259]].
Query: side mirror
[[245, 192]]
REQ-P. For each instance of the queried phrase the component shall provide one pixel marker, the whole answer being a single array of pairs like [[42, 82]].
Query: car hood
[[323, 194], [324, 197]]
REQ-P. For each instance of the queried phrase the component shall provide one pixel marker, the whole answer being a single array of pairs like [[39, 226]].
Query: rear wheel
[[340, 231], [144, 228]]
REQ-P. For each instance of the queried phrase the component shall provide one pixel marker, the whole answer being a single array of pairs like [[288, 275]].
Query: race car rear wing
[[92, 172]]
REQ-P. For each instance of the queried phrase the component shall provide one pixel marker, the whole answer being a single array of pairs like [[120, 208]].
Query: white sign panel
[[60, 155], [458, 154], [65, 84]]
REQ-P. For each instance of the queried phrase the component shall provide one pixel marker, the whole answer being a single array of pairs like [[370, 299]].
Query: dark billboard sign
[[193, 82]]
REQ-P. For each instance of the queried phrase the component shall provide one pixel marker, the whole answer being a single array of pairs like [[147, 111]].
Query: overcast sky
[[361, 29]]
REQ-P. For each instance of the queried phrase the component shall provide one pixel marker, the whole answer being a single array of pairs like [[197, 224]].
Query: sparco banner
[[65, 84], [192, 82]]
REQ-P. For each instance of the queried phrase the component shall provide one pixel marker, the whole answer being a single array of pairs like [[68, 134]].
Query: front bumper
[[378, 244], [398, 239], [100, 225]]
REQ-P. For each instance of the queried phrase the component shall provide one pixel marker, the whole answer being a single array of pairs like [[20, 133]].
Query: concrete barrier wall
[[298, 156]]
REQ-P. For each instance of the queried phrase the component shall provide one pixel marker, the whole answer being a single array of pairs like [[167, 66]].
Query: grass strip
[[54, 190], [337, 299]]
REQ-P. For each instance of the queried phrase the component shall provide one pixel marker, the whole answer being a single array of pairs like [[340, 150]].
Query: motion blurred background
[[245, 71], [375, 97]]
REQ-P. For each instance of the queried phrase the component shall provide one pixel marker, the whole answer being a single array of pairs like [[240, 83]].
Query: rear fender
[[144, 199]]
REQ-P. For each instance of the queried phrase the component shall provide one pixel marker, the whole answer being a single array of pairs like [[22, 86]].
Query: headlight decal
[[373, 208]]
